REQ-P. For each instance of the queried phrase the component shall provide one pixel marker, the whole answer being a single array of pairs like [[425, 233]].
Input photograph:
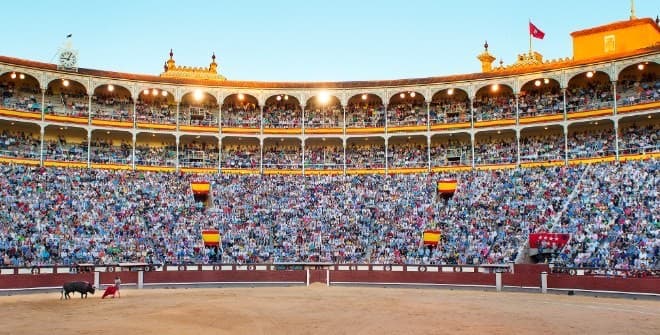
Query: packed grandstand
[[97, 166]]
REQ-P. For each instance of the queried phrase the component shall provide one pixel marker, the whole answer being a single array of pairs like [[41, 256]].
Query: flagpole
[[530, 37]]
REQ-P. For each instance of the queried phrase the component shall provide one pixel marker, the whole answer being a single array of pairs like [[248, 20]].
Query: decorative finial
[[501, 62], [171, 54], [657, 20], [165, 66], [632, 10], [486, 45], [213, 57]]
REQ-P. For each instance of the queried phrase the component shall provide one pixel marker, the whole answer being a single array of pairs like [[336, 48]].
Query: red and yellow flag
[[200, 187], [431, 237], [447, 186], [211, 237]]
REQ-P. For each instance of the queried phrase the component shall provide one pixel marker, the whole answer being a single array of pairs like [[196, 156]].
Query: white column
[[261, 151], [220, 155], [386, 151], [178, 104], [302, 145], [473, 144], [97, 280], [42, 130], [89, 148], [565, 144], [344, 145], [140, 283], [614, 102], [43, 104], [517, 113], [498, 281], [517, 147], [89, 109], [544, 282], [133, 154], [177, 146], [616, 139], [428, 150], [563, 92]]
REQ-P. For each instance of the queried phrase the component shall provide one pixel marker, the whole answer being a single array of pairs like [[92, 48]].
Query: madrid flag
[[535, 31]]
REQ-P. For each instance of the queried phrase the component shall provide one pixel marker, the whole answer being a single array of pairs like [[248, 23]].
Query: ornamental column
[[616, 139], [565, 143], [43, 104], [563, 93], [428, 151], [614, 102], [261, 154], [177, 143], [42, 130], [302, 143], [89, 148], [517, 147], [472, 145], [386, 151], [133, 151], [343, 142]]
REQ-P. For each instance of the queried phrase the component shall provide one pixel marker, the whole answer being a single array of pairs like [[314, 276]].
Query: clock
[[68, 59]]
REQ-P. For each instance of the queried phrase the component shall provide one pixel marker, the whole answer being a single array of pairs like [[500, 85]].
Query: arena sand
[[326, 310]]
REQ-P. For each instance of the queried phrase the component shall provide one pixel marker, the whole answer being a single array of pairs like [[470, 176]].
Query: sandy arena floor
[[326, 310]]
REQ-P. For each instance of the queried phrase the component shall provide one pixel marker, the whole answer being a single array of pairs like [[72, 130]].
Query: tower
[[486, 59]]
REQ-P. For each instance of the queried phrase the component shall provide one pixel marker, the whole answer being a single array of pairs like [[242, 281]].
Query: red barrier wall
[[224, 276], [43, 280], [458, 278], [597, 283]]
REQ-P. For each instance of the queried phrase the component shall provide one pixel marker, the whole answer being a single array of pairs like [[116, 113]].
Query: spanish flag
[[211, 237], [200, 187], [447, 186], [431, 237]]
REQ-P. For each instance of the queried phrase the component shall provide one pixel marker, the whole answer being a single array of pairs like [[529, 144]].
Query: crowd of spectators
[[542, 148], [284, 116], [24, 99], [199, 155], [450, 111], [66, 216], [593, 96], [322, 157], [453, 152], [244, 156], [73, 105], [19, 144], [199, 115], [408, 155], [365, 156], [494, 108], [365, 116], [324, 117], [282, 157], [540, 103], [594, 142], [63, 150], [634, 92], [109, 152], [155, 155], [157, 111], [495, 150], [406, 114], [634, 139], [243, 115], [112, 107]]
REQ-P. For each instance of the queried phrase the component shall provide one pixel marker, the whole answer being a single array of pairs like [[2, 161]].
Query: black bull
[[77, 286]]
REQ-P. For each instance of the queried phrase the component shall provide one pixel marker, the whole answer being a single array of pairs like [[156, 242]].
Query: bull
[[77, 286]]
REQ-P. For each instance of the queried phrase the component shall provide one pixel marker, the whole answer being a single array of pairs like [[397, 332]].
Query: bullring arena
[[522, 199]]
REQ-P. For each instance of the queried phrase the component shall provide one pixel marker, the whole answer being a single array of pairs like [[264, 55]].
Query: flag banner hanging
[[447, 186], [431, 237], [211, 237], [535, 31], [548, 239], [200, 187]]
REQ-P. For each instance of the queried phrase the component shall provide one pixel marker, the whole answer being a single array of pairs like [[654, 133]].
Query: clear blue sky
[[301, 40]]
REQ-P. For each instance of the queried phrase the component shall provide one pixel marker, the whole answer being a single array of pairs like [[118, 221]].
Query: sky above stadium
[[301, 40]]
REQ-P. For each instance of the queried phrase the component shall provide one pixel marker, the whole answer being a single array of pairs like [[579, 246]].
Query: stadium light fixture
[[412, 94], [364, 97], [537, 83], [649, 116], [640, 66], [450, 91], [107, 132], [154, 92], [164, 93], [21, 76], [65, 83], [241, 96], [13, 75], [198, 95], [590, 74], [402, 95], [546, 81], [495, 87], [111, 88], [279, 98], [324, 97], [145, 92]]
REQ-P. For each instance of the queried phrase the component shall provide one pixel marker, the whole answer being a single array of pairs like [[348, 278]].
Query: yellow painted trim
[[407, 170], [111, 166], [639, 157], [156, 126], [323, 131], [199, 170], [285, 172], [507, 122], [20, 115], [155, 168], [283, 131], [578, 161], [365, 171], [405, 128], [541, 164], [70, 119], [240, 171], [66, 164], [457, 168], [15, 160], [581, 115], [234, 130], [380, 130], [199, 128], [496, 166], [544, 118], [110, 123], [450, 126], [323, 172], [637, 108]]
